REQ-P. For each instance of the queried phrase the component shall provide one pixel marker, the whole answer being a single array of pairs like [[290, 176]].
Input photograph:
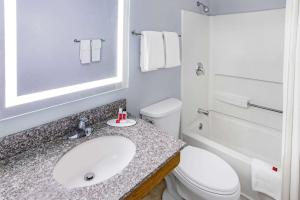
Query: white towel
[[172, 48], [265, 180], [85, 51], [96, 50], [152, 51]]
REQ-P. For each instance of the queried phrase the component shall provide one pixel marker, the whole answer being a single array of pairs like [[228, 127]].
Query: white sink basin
[[94, 161]]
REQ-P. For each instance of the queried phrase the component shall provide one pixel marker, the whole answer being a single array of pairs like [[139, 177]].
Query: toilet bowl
[[201, 175]]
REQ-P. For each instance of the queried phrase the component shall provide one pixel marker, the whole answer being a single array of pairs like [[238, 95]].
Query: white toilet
[[201, 175]]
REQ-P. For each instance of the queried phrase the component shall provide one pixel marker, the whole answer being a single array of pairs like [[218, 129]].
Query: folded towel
[[232, 99], [96, 50], [265, 179], [85, 51], [152, 51], [172, 49]]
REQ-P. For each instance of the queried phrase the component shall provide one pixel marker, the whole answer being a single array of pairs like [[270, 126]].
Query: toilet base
[[170, 192], [167, 196], [178, 191]]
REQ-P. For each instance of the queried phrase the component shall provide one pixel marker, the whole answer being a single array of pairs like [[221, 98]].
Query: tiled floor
[[156, 193]]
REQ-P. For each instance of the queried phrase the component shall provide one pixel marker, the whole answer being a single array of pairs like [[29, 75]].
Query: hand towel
[[172, 49], [152, 51], [96, 50], [85, 51], [265, 179]]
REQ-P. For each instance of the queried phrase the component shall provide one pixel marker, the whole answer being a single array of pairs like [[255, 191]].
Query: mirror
[[43, 52]]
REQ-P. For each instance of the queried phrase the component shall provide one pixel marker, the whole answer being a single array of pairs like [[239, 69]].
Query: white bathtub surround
[[152, 51], [85, 51], [96, 50], [195, 49], [172, 49], [238, 51], [265, 179], [246, 54], [232, 99], [224, 44], [249, 45]]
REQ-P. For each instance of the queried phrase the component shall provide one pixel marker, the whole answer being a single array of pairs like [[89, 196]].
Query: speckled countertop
[[29, 175]]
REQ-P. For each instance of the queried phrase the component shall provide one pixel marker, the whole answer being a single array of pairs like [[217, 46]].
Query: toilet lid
[[206, 171]]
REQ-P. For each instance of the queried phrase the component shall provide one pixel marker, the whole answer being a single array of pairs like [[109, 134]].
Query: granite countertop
[[29, 175]]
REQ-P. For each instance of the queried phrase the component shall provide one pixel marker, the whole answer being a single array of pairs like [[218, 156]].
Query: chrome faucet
[[82, 131], [82, 123], [200, 71], [202, 111]]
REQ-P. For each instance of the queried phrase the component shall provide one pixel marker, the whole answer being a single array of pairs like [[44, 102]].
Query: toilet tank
[[165, 115]]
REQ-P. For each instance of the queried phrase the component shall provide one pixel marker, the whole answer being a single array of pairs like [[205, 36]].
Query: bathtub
[[220, 134]]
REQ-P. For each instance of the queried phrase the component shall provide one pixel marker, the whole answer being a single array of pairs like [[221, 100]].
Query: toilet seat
[[201, 170]]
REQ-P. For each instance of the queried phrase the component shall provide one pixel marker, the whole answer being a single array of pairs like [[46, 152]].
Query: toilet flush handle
[[149, 121]]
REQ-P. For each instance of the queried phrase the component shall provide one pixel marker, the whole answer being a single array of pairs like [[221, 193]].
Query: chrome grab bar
[[265, 108], [206, 112]]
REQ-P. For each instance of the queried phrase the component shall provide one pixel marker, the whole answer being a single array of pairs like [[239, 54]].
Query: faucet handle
[[200, 69], [202, 111], [82, 123], [88, 132], [84, 119]]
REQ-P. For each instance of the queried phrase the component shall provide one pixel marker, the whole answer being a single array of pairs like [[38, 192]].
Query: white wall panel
[[246, 58], [195, 48], [249, 45], [245, 54], [258, 92]]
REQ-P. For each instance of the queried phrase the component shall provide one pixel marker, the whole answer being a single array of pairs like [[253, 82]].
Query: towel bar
[[139, 34], [77, 41]]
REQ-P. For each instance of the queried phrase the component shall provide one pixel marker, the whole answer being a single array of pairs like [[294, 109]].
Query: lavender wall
[[158, 15], [220, 7], [47, 56], [144, 88]]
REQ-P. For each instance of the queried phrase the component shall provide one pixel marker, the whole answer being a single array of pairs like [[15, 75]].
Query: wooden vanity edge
[[153, 180]]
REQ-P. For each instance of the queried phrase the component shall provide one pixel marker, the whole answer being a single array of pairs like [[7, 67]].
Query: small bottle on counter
[[120, 116], [124, 114]]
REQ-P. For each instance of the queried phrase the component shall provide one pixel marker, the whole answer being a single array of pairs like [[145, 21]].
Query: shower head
[[204, 7]]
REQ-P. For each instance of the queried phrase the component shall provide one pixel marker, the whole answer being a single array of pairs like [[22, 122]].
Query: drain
[[89, 176]]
